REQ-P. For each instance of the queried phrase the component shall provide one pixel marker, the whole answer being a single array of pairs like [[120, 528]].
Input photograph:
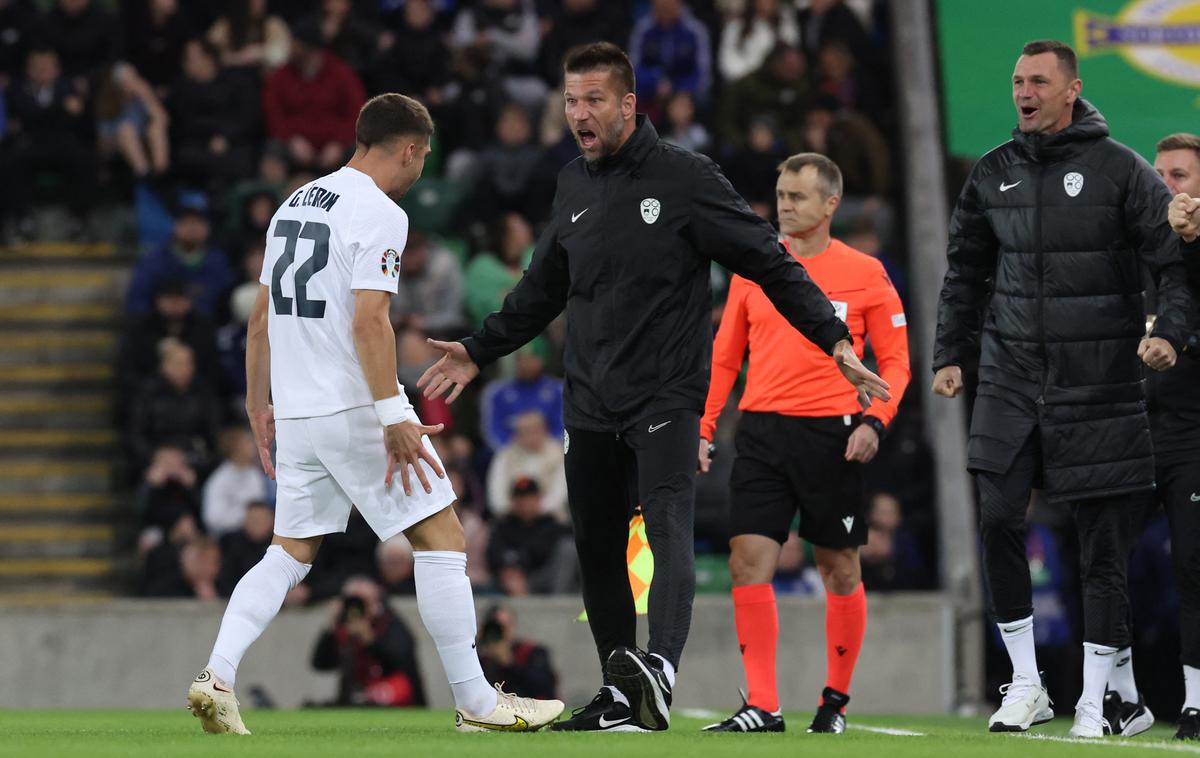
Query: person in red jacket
[[801, 443], [311, 103]]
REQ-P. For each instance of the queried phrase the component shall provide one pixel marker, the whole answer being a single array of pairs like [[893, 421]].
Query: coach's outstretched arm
[[375, 342], [258, 380], [536, 301], [971, 265]]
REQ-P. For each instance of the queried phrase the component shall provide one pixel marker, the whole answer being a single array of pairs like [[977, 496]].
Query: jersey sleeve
[[377, 238], [887, 328], [729, 349]]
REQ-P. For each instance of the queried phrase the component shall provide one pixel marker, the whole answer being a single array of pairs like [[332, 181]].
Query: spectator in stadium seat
[[779, 88], [503, 176], [753, 170], [372, 648], [131, 121], [167, 490], [844, 79], [248, 36], [243, 548], [187, 258], [311, 103], [85, 34], [850, 140], [491, 274], [530, 552], [891, 560], [162, 573], [531, 454], [200, 564], [215, 115], [682, 128], [575, 23], [346, 34], [826, 21], [174, 409], [174, 315], [394, 566], [431, 288], [507, 34], [521, 664], [50, 138], [236, 484], [414, 59], [18, 22], [231, 337], [747, 39], [158, 30], [529, 389], [670, 50]]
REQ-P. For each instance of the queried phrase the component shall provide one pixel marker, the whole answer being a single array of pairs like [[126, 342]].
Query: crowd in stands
[[202, 116]]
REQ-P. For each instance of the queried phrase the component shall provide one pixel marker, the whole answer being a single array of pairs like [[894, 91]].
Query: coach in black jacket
[[635, 225], [1052, 227]]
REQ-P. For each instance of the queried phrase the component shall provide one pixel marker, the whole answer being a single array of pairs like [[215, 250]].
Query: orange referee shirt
[[790, 375]]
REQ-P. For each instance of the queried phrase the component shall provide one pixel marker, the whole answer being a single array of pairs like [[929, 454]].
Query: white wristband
[[393, 410]]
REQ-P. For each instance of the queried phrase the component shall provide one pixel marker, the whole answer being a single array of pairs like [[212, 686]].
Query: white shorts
[[326, 464]]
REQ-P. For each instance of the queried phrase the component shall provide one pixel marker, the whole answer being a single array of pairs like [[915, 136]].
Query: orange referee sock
[[757, 623], [845, 625]]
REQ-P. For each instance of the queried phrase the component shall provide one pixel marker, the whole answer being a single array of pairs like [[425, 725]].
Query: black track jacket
[[627, 254]]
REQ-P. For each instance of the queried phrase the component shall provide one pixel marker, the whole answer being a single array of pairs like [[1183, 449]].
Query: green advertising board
[[1139, 61]]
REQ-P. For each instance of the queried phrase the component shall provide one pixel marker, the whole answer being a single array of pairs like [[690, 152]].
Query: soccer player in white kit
[[321, 371]]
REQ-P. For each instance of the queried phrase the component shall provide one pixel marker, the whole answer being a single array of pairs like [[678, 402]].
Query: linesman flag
[[641, 564]]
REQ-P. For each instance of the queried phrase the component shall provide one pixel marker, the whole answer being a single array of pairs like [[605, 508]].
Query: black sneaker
[[829, 718], [641, 678], [603, 714], [1189, 725], [1126, 718], [749, 718]]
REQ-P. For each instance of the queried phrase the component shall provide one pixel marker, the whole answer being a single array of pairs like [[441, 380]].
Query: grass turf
[[429, 734]]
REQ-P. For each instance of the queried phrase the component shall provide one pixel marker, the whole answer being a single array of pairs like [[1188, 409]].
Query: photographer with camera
[[523, 665], [372, 648]]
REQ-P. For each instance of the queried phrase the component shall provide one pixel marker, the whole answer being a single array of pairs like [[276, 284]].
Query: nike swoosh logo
[[518, 725], [219, 688], [605, 723], [1195, 498], [655, 427], [575, 216], [1006, 187]]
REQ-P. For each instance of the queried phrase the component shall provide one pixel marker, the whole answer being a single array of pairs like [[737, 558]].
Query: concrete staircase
[[61, 527]]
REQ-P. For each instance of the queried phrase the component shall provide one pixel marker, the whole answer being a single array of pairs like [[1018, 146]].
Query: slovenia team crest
[[390, 263], [650, 210], [1073, 183]]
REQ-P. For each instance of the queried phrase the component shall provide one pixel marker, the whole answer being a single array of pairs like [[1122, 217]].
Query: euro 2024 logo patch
[[390, 263], [1159, 37]]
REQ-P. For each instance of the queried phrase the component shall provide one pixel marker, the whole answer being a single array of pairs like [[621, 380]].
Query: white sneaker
[[1025, 704], [512, 714], [1089, 721], [215, 705]]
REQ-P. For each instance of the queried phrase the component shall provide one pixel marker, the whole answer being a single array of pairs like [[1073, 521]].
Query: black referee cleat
[[1189, 725], [603, 714], [829, 718], [1127, 719], [641, 678], [749, 718]]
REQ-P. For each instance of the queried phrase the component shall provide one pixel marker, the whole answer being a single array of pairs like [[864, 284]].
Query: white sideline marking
[[886, 730], [698, 713], [1117, 742]]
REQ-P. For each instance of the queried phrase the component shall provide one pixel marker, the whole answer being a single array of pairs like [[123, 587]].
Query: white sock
[[617, 695], [1097, 666], [1191, 687], [667, 668], [1121, 679], [1018, 640], [447, 609], [256, 600]]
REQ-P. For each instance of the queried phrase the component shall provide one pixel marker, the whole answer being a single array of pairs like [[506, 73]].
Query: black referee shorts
[[790, 464]]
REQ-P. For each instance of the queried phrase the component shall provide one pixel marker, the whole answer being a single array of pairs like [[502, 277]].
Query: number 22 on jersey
[[292, 232]]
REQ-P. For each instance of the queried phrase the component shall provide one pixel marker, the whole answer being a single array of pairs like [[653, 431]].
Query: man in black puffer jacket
[[1044, 288]]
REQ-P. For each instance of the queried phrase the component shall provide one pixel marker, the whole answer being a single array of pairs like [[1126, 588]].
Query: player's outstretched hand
[[862, 445], [1184, 217], [867, 383], [405, 449], [703, 461], [1156, 353], [947, 382], [452, 372], [262, 426]]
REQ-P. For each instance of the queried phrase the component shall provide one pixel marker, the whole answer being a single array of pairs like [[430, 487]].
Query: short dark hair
[[829, 176], [602, 55], [390, 116], [1064, 52], [1179, 141]]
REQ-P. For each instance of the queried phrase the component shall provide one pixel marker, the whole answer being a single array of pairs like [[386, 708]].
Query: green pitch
[[430, 734]]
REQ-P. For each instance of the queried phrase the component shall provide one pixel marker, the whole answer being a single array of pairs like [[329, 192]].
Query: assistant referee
[[627, 252]]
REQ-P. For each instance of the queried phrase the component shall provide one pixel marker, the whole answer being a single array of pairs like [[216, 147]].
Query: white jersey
[[334, 235]]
